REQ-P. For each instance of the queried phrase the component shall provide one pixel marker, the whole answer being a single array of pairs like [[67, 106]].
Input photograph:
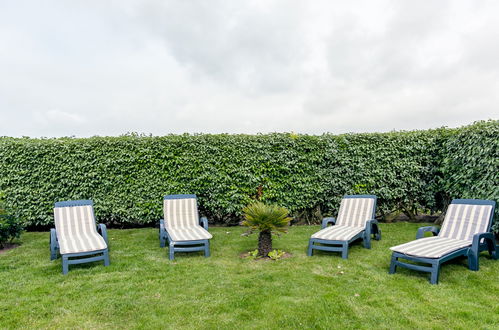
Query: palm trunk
[[264, 243]]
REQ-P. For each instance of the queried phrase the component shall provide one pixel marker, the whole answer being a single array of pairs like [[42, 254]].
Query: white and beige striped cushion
[[182, 220], [337, 233], [462, 221], [188, 234], [354, 212], [76, 230], [431, 247], [181, 213]]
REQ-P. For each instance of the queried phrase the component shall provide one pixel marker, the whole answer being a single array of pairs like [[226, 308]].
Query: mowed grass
[[143, 289]]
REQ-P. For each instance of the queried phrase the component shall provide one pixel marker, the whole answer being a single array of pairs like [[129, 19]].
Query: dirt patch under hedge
[[7, 247]]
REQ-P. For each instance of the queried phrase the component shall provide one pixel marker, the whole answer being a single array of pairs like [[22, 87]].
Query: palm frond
[[263, 217]]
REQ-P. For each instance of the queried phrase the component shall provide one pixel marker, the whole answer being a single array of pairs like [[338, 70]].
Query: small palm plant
[[268, 220]]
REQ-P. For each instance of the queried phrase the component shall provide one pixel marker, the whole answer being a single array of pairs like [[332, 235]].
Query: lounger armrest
[[488, 239], [204, 222], [101, 228], [162, 233], [477, 246], [326, 221], [422, 230], [54, 244], [53, 237], [162, 228]]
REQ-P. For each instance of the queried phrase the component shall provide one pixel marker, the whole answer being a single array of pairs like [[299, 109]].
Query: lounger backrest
[[466, 217], [75, 218], [355, 210], [181, 211]]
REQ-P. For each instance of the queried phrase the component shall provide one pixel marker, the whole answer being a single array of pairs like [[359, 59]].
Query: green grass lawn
[[143, 289]]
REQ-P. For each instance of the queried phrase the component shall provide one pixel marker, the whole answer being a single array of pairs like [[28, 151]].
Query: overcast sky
[[88, 68]]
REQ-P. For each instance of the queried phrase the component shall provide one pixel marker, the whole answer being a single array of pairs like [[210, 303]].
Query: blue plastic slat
[[473, 202], [360, 196], [181, 196], [80, 202]]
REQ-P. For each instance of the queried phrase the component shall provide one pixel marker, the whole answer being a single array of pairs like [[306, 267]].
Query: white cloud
[[62, 117], [106, 68]]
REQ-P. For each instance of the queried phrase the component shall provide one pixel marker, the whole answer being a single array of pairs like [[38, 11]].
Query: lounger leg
[[366, 240], [53, 254], [310, 250], [65, 265], [171, 251], [393, 264], [106, 258], [162, 242], [473, 261], [434, 274], [344, 252], [492, 247], [207, 249]]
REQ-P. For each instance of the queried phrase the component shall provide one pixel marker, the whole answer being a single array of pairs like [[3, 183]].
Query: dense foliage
[[127, 176], [10, 228]]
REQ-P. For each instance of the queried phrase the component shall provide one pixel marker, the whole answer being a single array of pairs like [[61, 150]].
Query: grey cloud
[[257, 49], [424, 65], [106, 68], [391, 54]]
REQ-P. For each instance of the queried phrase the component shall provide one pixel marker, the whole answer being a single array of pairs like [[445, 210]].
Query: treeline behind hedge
[[127, 176]]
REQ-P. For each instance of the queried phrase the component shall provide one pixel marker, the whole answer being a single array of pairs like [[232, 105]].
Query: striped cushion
[[431, 247], [338, 233], [462, 221], [354, 212], [188, 234], [181, 213], [182, 220], [76, 230]]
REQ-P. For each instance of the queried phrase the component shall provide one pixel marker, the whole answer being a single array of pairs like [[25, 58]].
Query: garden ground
[[143, 289]]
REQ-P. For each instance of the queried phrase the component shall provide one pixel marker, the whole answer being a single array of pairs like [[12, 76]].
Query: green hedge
[[470, 168], [127, 176]]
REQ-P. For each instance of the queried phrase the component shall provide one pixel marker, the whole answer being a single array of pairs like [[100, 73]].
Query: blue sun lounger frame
[[472, 252], [92, 255], [372, 228], [183, 246]]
